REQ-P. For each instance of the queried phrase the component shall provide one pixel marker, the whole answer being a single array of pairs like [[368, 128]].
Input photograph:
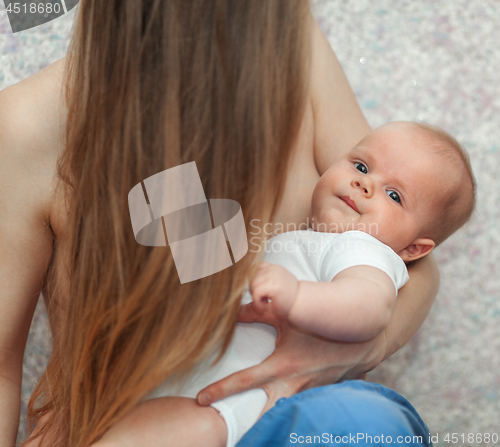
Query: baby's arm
[[356, 306]]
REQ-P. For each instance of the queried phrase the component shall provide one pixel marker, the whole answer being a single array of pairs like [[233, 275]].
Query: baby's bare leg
[[169, 422]]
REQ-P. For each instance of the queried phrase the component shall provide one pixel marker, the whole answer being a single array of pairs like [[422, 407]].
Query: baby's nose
[[365, 185]]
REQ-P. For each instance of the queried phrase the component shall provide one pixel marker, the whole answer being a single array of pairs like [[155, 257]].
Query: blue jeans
[[348, 413]]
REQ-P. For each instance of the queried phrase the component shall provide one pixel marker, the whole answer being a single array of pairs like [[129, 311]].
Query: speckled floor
[[431, 60]]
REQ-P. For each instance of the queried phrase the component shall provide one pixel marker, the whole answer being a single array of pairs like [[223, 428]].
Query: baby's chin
[[331, 227], [332, 220], [314, 226], [318, 224]]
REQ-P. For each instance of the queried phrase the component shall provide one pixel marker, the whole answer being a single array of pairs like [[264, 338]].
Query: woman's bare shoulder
[[338, 121], [32, 120]]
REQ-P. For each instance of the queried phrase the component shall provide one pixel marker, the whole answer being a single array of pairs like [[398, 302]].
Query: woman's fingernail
[[204, 399]]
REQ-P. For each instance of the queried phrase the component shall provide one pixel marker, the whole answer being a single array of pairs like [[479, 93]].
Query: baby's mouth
[[347, 200]]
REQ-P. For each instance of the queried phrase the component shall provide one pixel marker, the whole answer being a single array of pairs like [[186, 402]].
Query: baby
[[409, 186], [400, 192]]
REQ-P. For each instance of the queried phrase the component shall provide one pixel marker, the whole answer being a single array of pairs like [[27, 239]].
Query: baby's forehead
[[434, 179], [404, 130], [411, 155], [398, 141]]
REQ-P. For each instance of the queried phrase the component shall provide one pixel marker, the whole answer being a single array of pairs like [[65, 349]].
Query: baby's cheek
[[380, 231], [395, 234]]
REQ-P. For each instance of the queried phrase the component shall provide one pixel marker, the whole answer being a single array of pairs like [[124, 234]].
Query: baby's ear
[[417, 249]]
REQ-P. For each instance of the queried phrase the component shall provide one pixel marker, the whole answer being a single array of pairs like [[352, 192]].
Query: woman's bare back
[[32, 135], [331, 106]]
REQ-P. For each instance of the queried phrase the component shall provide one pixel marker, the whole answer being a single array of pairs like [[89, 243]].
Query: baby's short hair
[[456, 208]]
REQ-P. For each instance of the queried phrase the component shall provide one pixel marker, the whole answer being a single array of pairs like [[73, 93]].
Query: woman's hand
[[300, 361]]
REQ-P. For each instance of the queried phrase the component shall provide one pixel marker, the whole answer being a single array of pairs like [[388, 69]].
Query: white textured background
[[431, 60]]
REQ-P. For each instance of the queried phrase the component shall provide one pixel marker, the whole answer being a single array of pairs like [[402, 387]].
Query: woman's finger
[[250, 313], [277, 390], [247, 379]]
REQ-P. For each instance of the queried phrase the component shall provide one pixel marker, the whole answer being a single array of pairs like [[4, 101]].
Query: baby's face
[[386, 186]]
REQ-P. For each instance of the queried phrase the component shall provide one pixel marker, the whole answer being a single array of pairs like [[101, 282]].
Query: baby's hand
[[274, 284]]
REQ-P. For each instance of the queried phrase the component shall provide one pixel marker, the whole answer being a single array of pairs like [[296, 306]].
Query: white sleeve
[[354, 248]]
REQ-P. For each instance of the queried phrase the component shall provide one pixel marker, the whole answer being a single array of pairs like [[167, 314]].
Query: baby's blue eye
[[394, 196], [361, 168]]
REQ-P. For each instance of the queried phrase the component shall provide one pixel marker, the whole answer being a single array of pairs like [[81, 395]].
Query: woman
[[232, 85]]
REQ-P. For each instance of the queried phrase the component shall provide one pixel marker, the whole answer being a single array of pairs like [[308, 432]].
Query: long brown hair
[[152, 84]]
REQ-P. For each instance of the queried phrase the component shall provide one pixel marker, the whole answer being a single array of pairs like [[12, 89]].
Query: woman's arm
[[414, 302], [339, 123], [25, 248], [302, 360]]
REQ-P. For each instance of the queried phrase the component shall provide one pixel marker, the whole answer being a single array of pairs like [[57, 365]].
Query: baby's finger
[[257, 281], [264, 265], [261, 301], [262, 295]]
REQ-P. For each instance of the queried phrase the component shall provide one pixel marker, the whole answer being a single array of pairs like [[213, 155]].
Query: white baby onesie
[[309, 256]]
